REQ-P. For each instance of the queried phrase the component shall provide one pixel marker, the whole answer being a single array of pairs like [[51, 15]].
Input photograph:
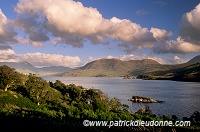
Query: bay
[[180, 98]]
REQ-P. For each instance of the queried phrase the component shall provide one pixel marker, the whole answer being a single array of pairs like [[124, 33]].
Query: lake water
[[181, 98]]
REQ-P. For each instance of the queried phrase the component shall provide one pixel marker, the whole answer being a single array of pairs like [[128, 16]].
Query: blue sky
[[72, 33]]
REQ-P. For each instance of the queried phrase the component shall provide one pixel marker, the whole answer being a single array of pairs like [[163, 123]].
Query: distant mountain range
[[116, 68], [113, 67], [119, 68], [25, 67]]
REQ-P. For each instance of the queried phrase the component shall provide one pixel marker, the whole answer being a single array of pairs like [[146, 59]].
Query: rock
[[140, 99]]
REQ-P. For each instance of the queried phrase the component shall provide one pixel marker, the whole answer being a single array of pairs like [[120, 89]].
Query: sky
[[72, 33]]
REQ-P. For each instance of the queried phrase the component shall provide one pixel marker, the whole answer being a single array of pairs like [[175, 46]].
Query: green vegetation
[[187, 73], [28, 102]]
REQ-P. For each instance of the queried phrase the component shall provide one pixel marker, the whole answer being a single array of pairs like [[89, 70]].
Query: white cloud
[[32, 26], [188, 40], [177, 46], [66, 19], [3, 18], [73, 23], [161, 35], [7, 52], [40, 59], [176, 60], [109, 57], [7, 55], [7, 34], [127, 32], [189, 28], [21, 40], [70, 22]]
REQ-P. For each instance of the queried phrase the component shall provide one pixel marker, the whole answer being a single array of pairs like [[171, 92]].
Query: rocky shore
[[140, 99]]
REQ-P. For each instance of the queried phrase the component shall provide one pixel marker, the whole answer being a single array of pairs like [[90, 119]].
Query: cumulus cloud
[[7, 34], [69, 22], [189, 28], [40, 59], [67, 19], [7, 55], [128, 32], [188, 40], [21, 40], [161, 35], [176, 60], [33, 26], [177, 46]]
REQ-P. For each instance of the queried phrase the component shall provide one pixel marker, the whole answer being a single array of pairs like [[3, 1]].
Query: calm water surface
[[181, 98]]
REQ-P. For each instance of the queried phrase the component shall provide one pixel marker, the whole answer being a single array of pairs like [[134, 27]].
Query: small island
[[140, 99], [129, 77]]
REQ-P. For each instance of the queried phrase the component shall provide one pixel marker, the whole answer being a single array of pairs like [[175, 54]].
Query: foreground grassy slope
[[12, 100]]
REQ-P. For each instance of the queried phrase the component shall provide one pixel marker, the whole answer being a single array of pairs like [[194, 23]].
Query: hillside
[[188, 73], [115, 67], [194, 60]]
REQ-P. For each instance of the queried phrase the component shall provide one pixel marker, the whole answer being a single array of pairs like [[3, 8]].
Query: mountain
[[25, 67], [115, 67], [194, 60], [188, 73]]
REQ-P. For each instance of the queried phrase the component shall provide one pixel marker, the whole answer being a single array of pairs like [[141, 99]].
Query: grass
[[10, 100]]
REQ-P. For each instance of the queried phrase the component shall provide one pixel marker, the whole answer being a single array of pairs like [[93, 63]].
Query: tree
[[9, 78], [96, 98], [74, 91], [115, 104], [60, 86], [37, 88]]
